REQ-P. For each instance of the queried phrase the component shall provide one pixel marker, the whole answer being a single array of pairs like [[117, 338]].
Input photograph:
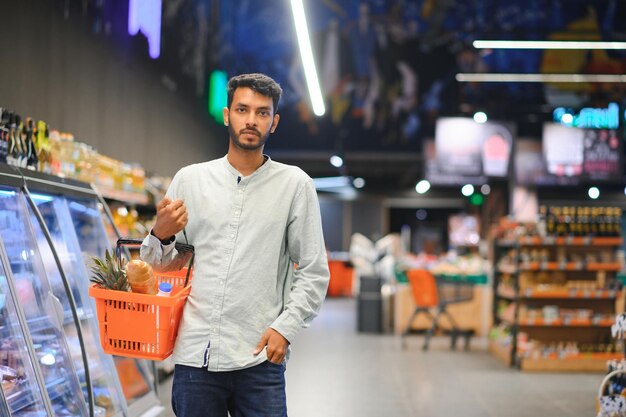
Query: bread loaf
[[141, 278]]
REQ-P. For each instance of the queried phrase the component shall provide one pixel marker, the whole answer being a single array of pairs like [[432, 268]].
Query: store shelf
[[584, 362], [557, 294], [21, 399], [125, 196], [570, 241], [569, 294], [591, 310], [570, 266], [540, 322]]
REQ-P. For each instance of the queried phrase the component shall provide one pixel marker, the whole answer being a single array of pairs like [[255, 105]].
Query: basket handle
[[607, 378], [193, 255]]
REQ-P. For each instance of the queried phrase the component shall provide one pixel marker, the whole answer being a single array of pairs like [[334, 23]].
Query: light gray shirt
[[248, 232]]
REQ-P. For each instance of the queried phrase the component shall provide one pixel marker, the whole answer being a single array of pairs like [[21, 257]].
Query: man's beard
[[234, 137]]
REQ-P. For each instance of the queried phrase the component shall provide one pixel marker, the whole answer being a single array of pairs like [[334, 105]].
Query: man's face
[[250, 119]]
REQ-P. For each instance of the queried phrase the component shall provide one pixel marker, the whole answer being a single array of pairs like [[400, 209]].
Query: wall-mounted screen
[[570, 156], [468, 152]]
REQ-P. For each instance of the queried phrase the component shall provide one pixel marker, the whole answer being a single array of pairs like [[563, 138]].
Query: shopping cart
[[142, 325], [435, 294]]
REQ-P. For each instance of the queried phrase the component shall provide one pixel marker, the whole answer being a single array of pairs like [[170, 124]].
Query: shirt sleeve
[[305, 242], [158, 255]]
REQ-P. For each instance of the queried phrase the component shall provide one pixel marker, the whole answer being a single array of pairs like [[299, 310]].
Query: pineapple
[[108, 274]]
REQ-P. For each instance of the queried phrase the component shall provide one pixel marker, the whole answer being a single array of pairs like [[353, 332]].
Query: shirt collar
[[233, 171]]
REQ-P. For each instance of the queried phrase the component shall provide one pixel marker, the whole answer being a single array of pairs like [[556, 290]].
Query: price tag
[[549, 240]]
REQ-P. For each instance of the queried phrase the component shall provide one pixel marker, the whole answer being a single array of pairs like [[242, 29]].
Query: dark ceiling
[[387, 68]]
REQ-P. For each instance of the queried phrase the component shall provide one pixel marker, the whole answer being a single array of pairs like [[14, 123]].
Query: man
[[250, 220]]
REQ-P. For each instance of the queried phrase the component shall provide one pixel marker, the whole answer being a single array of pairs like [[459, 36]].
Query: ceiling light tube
[[306, 54], [331, 182], [489, 44], [540, 78]]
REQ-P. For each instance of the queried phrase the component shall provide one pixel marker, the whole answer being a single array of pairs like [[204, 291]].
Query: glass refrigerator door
[[106, 391], [17, 373], [41, 310], [86, 221]]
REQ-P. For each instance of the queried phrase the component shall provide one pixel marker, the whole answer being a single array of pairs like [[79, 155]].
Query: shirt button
[[232, 236], [221, 282]]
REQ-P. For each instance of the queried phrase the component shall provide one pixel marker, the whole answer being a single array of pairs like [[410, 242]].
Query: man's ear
[[275, 123], [226, 114]]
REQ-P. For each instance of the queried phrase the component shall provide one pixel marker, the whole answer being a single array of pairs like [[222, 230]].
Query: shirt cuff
[[287, 325], [164, 242]]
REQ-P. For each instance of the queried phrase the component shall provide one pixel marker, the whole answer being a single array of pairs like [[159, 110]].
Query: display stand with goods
[[556, 290], [140, 323]]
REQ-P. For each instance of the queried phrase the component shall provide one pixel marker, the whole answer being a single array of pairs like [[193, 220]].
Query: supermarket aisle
[[336, 372]]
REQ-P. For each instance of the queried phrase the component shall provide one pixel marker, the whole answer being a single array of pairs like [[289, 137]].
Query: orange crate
[[141, 325]]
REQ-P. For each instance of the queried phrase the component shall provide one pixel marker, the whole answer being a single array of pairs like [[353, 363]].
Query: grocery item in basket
[[141, 278], [165, 289], [108, 273]]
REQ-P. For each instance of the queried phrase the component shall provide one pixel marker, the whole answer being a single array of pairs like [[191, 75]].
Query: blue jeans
[[258, 391]]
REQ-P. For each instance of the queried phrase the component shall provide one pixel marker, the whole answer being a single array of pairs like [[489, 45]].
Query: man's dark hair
[[260, 83]]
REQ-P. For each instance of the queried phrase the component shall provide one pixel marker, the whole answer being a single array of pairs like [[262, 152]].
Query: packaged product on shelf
[[9, 378], [107, 171], [42, 146], [138, 178], [86, 167], [125, 177], [4, 135]]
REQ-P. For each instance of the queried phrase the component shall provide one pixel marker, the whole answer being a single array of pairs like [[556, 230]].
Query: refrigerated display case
[[49, 230], [19, 381], [37, 313], [89, 225]]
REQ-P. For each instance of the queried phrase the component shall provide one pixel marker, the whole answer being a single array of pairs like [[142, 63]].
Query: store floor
[[336, 372]]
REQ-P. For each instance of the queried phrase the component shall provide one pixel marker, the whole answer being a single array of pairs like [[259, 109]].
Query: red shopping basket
[[140, 325]]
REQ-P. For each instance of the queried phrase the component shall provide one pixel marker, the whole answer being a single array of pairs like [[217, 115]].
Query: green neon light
[[477, 199], [217, 95]]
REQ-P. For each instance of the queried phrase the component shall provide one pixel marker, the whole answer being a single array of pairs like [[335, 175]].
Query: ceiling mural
[[386, 67]]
